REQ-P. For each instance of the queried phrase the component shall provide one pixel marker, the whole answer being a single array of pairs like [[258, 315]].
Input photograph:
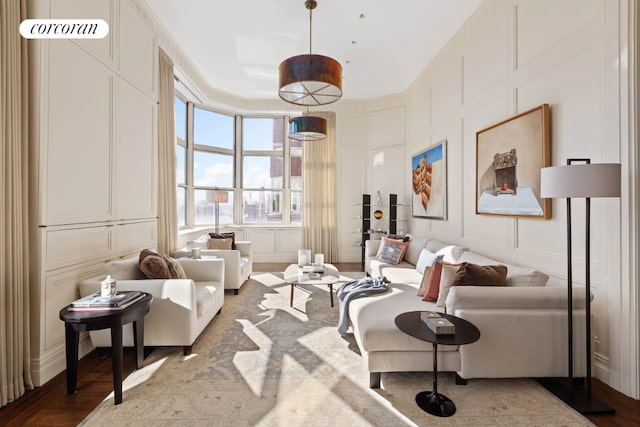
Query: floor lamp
[[217, 197], [582, 180]]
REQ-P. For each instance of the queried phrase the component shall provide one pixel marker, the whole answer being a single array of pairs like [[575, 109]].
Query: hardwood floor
[[50, 405]]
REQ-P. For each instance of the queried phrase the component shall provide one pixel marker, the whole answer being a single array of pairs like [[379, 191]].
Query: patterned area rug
[[263, 363]]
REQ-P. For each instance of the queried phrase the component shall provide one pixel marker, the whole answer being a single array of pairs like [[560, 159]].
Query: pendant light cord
[[310, 24]]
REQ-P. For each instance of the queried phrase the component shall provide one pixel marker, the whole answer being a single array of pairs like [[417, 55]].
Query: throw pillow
[[480, 275], [224, 244], [446, 281], [229, 235], [392, 251], [425, 282], [175, 268], [427, 259], [153, 265], [433, 282]]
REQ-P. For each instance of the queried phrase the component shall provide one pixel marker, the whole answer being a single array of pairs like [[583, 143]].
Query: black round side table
[[465, 333], [92, 320]]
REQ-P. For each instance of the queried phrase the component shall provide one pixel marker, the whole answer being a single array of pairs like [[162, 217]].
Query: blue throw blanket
[[357, 289]]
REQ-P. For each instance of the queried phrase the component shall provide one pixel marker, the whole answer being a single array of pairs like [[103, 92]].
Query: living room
[[509, 56]]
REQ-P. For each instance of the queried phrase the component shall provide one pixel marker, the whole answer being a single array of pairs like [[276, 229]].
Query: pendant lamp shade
[[308, 128], [310, 80]]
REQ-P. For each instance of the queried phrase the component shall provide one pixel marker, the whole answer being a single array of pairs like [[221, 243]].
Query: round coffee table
[[296, 277], [466, 333]]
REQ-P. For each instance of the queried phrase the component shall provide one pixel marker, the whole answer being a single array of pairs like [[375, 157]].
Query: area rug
[[264, 363]]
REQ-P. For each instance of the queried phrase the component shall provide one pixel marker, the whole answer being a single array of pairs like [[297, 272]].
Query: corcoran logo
[[64, 28]]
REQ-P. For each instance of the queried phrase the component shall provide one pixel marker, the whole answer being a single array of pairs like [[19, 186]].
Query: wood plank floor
[[50, 405]]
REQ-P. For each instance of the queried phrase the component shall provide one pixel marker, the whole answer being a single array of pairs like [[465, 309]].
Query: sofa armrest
[[245, 248], [180, 291], [204, 270], [371, 248], [508, 297]]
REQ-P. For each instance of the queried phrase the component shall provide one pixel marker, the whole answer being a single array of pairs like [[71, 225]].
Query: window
[[181, 159], [257, 163], [263, 169]]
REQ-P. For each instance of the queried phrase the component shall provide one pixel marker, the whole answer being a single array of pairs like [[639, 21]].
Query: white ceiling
[[238, 44]]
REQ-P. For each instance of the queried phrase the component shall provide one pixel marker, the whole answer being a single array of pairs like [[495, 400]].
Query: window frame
[[238, 154]]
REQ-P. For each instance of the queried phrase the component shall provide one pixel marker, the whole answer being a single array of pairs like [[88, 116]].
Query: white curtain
[[319, 212], [167, 205], [15, 355]]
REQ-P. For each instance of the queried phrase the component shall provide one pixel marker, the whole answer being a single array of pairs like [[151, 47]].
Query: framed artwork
[[429, 182], [509, 156]]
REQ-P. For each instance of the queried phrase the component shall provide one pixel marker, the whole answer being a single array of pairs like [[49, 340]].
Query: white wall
[[92, 132]]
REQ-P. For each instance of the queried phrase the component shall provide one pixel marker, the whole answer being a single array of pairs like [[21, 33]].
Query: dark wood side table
[[466, 333], [92, 320]]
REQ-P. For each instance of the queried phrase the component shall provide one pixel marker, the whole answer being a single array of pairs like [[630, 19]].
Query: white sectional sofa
[[523, 327], [181, 308]]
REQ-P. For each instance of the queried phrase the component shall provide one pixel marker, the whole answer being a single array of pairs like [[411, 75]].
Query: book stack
[[438, 324], [95, 301]]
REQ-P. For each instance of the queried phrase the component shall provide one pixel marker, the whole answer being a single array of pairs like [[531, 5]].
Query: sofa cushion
[[446, 280], [228, 235], [176, 270], [476, 258], [224, 244], [391, 251], [153, 265], [416, 245], [521, 276], [424, 283], [400, 274], [373, 319], [516, 276], [427, 259], [126, 269], [469, 274], [379, 269], [433, 282], [450, 253]]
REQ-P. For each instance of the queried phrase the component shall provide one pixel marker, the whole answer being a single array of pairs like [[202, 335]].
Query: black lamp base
[[577, 397]]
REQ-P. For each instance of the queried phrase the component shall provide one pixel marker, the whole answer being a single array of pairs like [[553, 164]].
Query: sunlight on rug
[[263, 363]]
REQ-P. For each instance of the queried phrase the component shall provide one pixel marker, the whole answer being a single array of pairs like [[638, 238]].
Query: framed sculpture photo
[[429, 182], [509, 156]]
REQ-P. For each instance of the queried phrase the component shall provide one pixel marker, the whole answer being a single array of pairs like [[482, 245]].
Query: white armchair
[[181, 308], [238, 263]]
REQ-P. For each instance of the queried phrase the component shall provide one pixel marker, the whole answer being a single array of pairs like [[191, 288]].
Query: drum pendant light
[[310, 79], [308, 128]]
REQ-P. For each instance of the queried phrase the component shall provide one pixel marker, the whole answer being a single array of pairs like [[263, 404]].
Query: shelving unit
[[365, 218], [366, 222], [393, 214]]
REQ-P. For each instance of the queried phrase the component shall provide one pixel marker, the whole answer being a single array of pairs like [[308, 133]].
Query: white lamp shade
[[584, 180], [218, 196]]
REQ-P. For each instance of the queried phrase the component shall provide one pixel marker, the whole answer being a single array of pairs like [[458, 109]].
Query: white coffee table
[[295, 277]]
